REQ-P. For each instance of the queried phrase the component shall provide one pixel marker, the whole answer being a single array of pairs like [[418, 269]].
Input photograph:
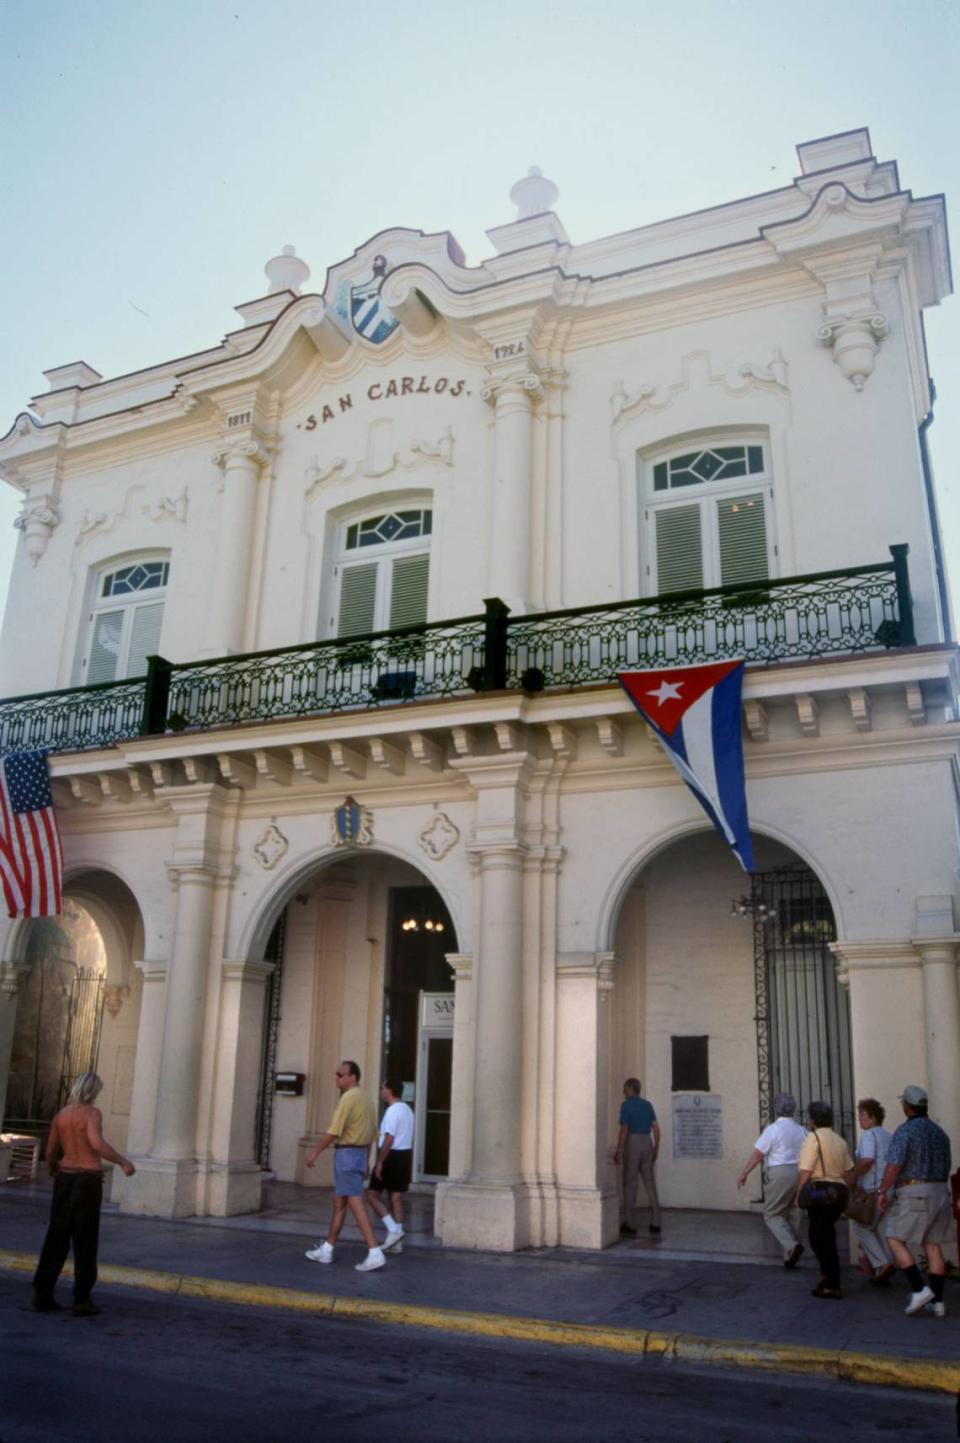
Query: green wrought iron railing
[[823, 614], [74, 720], [860, 609]]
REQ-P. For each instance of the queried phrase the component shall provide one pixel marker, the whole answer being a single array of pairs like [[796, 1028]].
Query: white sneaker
[[323, 1253], [918, 1301], [939, 1310], [372, 1261], [393, 1239]]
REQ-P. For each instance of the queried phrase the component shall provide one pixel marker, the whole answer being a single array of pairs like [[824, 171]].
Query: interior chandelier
[[417, 924]]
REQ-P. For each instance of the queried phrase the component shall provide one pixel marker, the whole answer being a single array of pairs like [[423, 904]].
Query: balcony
[[835, 613]]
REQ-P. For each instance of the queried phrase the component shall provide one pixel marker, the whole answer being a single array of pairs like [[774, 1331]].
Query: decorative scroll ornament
[[114, 996], [270, 846], [439, 836], [351, 825], [168, 508], [855, 340], [525, 384], [37, 523]]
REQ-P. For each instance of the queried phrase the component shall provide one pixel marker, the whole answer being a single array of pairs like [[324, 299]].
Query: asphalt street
[[157, 1368]]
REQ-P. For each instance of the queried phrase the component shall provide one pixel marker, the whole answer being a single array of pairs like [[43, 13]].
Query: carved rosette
[[37, 523], [439, 836], [270, 846], [855, 340]]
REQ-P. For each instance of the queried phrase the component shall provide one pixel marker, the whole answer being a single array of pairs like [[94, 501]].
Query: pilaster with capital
[[513, 397], [242, 459], [463, 1081], [886, 1012], [941, 1004], [484, 1208], [11, 974], [146, 1073], [587, 1197], [232, 1178], [166, 1178]]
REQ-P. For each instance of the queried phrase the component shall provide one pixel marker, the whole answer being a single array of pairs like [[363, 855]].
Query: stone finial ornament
[[286, 272], [534, 194]]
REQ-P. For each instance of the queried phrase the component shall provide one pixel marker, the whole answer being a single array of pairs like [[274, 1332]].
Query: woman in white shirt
[[778, 1147], [871, 1157]]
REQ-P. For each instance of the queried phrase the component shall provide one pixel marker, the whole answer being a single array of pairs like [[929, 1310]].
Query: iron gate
[[268, 1059], [802, 1012], [84, 1021]]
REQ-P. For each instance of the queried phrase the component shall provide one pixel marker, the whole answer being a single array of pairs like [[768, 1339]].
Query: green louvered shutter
[[743, 540], [358, 597], [104, 659], [145, 638], [679, 549], [408, 591]]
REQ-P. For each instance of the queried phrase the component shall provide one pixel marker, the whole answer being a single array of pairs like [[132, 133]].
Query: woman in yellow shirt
[[823, 1167]]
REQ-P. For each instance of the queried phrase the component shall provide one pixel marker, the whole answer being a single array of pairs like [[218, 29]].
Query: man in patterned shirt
[[919, 1216]]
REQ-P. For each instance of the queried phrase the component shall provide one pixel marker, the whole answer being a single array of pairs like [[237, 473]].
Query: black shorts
[[396, 1172]]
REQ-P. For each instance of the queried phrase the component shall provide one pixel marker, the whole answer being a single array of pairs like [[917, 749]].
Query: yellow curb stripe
[[926, 1374]]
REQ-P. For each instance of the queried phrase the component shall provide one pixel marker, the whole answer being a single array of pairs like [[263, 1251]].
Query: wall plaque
[[697, 1125]]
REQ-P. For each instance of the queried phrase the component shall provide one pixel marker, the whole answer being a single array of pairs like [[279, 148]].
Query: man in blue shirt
[[914, 1199], [637, 1146]]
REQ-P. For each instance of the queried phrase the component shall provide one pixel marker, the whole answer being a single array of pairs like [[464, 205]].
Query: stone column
[[484, 1209], [166, 1179], [496, 1123], [174, 1132], [941, 1007], [10, 974], [587, 1191], [513, 399], [241, 463], [233, 1178]]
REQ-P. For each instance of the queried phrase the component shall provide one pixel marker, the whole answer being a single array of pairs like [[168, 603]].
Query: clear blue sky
[[156, 155]]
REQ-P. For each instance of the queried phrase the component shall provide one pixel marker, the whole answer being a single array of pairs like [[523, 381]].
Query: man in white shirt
[[778, 1148], [394, 1165]]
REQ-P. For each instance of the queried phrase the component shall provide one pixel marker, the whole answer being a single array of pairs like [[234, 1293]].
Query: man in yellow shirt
[[352, 1129]]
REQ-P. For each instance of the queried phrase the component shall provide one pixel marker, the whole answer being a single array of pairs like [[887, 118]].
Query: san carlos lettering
[[386, 390]]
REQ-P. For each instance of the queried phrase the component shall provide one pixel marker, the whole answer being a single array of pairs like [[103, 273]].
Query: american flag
[[31, 858]]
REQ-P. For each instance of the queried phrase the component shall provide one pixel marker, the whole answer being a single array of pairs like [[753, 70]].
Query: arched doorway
[[77, 1006], [359, 971], [715, 1011]]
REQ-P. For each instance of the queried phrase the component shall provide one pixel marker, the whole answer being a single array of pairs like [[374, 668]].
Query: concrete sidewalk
[[625, 1299]]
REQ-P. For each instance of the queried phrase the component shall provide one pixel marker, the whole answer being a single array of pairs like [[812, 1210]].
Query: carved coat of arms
[[371, 319], [351, 825]]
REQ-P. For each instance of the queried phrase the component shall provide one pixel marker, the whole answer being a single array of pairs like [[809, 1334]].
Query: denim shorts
[[349, 1166]]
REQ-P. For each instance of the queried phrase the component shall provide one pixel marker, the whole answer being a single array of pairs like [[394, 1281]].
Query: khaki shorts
[[920, 1214]]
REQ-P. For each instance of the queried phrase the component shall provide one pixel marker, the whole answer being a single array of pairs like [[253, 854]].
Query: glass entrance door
[[434, 1109]]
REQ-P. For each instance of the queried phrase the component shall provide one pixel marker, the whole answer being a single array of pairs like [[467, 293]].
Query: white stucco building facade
[[388, 544]]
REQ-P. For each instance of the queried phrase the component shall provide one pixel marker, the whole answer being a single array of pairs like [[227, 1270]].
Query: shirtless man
[[75, 1148]]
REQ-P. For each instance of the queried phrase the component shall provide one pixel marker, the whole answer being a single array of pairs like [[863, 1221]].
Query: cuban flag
[[695, 711]]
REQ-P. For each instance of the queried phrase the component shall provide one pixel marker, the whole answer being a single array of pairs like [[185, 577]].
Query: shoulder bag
[[818, 1192]]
